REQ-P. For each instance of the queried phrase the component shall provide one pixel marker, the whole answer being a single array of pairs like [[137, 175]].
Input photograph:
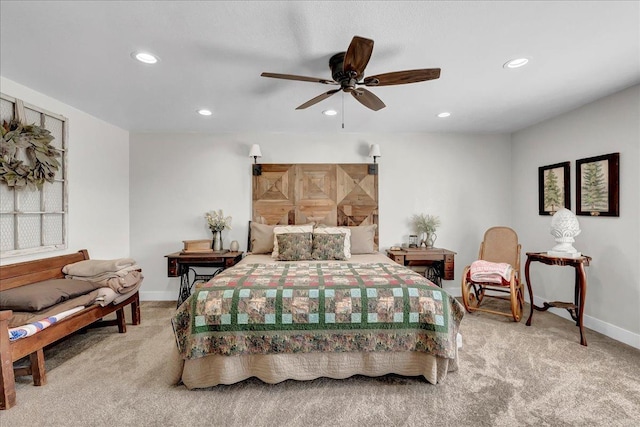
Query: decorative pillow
[[261, 238], [328, 246], [362, 239], [338, 230], [41, 295], [282, 229], [294, 246]]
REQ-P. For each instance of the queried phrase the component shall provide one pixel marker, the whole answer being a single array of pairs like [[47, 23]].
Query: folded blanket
[[108, 295], [490, 272], [32, 328], [94, 267], [122, 285], [102, 277]]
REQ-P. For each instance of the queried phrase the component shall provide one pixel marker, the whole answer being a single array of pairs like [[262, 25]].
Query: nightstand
[[439, 262], [180, 264]]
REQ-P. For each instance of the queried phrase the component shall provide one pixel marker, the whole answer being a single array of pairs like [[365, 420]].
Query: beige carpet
[[510, 374]]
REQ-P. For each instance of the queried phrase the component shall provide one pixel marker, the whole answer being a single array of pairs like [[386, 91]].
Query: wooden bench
[[25, 273]]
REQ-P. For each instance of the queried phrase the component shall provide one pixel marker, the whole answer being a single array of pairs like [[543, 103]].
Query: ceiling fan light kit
[[347, 71]]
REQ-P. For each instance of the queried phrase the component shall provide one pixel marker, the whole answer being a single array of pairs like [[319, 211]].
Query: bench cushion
[[41, 295]]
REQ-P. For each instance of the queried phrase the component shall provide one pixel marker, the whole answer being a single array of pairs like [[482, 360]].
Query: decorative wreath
[[37, 143]]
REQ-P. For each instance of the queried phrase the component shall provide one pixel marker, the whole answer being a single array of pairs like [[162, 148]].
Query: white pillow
[[363, 239], [283, 229], [338, 230]]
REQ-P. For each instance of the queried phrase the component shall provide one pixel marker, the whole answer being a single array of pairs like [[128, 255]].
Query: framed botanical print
[[554, 191], [597, 185]]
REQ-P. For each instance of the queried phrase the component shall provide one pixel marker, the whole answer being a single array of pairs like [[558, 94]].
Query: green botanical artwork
[[594, 187], [553, 194]]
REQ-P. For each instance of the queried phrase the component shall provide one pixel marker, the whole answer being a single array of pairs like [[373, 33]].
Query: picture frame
[[554, 190], [598, 186]]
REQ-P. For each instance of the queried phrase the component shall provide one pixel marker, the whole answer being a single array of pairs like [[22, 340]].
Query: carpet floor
[[509, 374]]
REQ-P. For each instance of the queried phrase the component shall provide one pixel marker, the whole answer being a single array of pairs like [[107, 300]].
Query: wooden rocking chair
[[500, 245]]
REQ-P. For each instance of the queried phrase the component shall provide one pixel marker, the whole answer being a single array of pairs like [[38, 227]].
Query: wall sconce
[[255, 153], [374, 151]]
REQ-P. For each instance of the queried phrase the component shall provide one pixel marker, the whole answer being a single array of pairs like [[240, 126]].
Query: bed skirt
[[213, 370]]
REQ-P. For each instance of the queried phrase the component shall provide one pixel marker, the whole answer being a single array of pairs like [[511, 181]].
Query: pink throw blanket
[[491, 272]]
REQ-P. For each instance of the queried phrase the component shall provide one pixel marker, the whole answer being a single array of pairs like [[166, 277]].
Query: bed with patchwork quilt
[[304, 320]]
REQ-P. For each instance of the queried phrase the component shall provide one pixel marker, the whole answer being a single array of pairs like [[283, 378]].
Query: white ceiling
[[212, 54]]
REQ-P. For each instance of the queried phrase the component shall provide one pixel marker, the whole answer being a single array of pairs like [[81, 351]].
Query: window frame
[[45, 230]]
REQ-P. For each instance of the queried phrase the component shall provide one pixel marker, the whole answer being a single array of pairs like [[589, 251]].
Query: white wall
[[609, 125], [175, 179], [98, 172]]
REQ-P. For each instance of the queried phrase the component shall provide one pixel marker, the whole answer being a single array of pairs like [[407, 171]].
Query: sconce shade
[[374, 151], [255, 151]]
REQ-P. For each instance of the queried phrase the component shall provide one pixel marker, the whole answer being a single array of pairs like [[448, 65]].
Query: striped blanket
[[34, 327]]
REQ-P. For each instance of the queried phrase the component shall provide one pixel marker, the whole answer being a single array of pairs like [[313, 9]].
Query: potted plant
[[425, 226]]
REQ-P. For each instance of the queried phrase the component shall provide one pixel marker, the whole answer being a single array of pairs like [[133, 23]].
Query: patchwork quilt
[[311, 307]]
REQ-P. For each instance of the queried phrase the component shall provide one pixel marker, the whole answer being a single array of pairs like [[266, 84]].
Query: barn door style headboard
[[332, 194]]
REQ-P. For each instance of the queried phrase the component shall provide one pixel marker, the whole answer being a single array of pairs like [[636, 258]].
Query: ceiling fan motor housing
[[347, 82]]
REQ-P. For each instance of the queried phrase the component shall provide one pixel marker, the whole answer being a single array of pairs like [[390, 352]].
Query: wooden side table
[[180, 264], [439, 262], [575, 309]]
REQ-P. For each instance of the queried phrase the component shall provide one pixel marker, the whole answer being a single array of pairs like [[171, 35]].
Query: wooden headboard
[[332, 194]]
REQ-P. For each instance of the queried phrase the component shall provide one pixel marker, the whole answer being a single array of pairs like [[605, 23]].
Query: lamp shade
[[374, 151], [255, 151]]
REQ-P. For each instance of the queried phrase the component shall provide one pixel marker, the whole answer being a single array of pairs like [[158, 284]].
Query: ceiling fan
[[347, 70]]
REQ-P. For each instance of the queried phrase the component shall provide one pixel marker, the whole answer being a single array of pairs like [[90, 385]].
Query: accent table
[[439, 262], [575, 309], [180, 264]]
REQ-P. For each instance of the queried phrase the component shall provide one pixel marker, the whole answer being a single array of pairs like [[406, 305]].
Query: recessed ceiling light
[[444, 114], [516, 63], [329, 112], [145, 57], [204, 112]]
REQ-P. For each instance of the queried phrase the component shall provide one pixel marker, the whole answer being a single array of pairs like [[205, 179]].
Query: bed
[[315, 298], [304, 320]]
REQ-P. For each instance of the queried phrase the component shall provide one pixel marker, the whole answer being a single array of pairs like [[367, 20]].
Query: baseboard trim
[[158, 296], [615, 332], [612, 331]]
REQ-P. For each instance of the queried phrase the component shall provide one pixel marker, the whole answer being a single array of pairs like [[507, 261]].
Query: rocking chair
[[500, 245]]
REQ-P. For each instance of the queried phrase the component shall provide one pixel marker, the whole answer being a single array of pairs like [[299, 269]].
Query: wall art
[[554, 191], [597, 185]]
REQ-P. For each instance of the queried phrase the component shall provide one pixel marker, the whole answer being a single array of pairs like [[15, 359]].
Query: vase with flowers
[[217, 223], [426, 226]]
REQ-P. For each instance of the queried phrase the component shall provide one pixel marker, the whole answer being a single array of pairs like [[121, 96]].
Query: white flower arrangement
[[217, 221], [425, 223]]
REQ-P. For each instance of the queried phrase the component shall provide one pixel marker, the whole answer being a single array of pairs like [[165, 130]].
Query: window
[[35, 220]]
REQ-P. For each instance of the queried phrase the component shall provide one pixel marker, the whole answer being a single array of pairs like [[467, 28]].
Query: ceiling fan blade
[[368, 99], [300, 78], [317, 99], [358, 55], [402, 77]]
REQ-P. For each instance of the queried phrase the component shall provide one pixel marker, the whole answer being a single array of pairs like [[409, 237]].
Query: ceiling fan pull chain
[[342, 110]]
